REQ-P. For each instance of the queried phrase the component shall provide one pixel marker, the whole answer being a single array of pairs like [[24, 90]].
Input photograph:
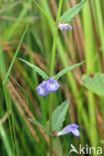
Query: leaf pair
[[58, 117], [45, 76], [67, 16]]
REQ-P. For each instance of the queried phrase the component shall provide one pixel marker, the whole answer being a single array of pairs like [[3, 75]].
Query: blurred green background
[[18, 98]]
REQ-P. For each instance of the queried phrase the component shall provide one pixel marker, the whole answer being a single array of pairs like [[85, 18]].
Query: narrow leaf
[[16, 53], [41, 126], [37, 123], [58, 116], [71, 13], [94, 82], [37, 69], [64, 71], [44, 12]]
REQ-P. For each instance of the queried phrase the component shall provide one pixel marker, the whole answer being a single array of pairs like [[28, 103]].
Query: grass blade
[[5, 140], [15, 55], [44, 12]]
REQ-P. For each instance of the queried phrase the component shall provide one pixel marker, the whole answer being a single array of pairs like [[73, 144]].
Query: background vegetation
[[18, 98]]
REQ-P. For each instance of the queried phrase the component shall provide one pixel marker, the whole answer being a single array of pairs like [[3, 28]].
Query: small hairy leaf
[[71, 13], [58, 116], [94, 82], [40, 125], [64, 71], [37, 69]]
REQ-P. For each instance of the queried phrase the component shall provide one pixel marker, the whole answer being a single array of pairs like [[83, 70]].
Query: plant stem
[[55, 40], [52, 72], [50, 119], [53, 53]]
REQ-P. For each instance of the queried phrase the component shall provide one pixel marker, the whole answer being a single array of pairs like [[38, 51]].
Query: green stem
[[53, 53], [52, 72], [50, 119], [54, 40]]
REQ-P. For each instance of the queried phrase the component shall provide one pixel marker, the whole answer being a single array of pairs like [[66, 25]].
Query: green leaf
[[37, 123], [16, 53], [41, 126], [71, 13], [64, 71], [58, 116], [94, 82], [37, 69]]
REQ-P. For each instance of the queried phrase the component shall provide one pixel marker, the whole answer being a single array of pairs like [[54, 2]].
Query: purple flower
[[68, 27], [41, 89], [52, 85], [73, 128], [47, 86], [64, 27]]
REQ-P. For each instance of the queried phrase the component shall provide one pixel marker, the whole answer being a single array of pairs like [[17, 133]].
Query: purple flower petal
[[68, 27], [64, 27], [52, 85], [70, 128], [61, 27], [41, 89], [76, 132], [43, 84], [47, 86]]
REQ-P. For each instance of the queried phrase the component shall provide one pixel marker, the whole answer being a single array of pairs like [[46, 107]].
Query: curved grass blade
[[58, 116], [94, 82], [64, 71], [15, 55], [71, 13], [37, 69]]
